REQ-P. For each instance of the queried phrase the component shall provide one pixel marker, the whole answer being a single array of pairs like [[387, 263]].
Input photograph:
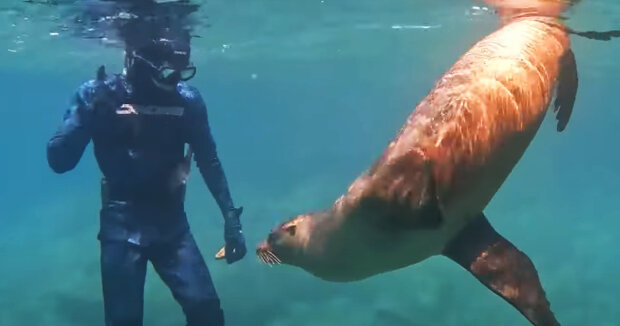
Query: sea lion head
[[322, 243], [286, 243], [328, 245]]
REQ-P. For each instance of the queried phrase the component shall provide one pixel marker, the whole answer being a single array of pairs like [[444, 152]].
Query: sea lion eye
[[291, 230]]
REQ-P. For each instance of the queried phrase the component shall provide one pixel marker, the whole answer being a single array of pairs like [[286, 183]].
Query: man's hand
[[103, 99], [233, 235]]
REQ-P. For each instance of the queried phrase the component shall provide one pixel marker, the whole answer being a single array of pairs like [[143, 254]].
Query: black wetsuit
[[143, 217]]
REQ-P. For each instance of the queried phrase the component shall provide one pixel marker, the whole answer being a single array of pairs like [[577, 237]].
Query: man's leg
[[181, 266], [123, 270]]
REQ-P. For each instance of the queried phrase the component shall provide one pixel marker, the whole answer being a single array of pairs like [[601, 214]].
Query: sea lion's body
[[484, 112], [426, 194], [469, 132]]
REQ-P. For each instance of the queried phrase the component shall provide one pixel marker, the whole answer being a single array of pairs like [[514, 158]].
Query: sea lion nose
[[263, 246]]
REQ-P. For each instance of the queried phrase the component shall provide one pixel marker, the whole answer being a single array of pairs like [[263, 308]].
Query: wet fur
[[452, 155], [425, 195]]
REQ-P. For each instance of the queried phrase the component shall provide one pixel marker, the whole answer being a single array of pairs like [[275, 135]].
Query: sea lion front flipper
[[502, 268], [407, 203], [428, 214], [568, 82]]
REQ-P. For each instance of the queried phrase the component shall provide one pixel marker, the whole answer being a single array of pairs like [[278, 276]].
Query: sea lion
[[426, 194]]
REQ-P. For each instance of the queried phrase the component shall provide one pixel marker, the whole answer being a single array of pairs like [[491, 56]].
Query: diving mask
[[169, 73]]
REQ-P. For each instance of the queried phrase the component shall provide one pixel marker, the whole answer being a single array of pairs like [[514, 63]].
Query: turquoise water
[[302, 97]]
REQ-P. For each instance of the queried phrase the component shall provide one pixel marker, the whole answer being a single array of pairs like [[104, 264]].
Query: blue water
[[302, 97]]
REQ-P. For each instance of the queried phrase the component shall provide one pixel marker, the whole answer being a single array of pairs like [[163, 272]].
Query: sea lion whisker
[[275, 260], [265, 258], [261, 258], [271, 254], [269, 261], [274, 257]]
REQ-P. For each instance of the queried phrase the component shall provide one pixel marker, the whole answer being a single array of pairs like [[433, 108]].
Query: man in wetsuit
[[139, 122]]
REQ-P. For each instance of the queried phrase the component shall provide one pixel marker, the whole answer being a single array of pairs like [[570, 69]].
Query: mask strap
[[129, 58]]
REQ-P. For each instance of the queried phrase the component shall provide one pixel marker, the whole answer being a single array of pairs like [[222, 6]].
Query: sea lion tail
[[502, 268]]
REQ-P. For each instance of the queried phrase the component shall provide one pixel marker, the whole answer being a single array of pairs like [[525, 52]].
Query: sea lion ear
[[291, 229]]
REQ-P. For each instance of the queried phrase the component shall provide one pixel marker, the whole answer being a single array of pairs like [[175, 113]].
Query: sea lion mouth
[[266, 255]]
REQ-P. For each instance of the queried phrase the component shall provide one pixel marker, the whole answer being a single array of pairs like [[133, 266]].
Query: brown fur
[[444, 166]]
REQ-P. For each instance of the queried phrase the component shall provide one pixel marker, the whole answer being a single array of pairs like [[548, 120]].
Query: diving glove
[[104, 99], [235, 248]]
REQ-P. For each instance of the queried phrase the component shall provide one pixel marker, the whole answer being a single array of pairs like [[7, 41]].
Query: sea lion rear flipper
[[502, 268], [567, 89]]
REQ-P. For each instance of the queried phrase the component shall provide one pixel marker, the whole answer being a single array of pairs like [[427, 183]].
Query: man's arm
[[204, 148], [67, 145], [205, 153]]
